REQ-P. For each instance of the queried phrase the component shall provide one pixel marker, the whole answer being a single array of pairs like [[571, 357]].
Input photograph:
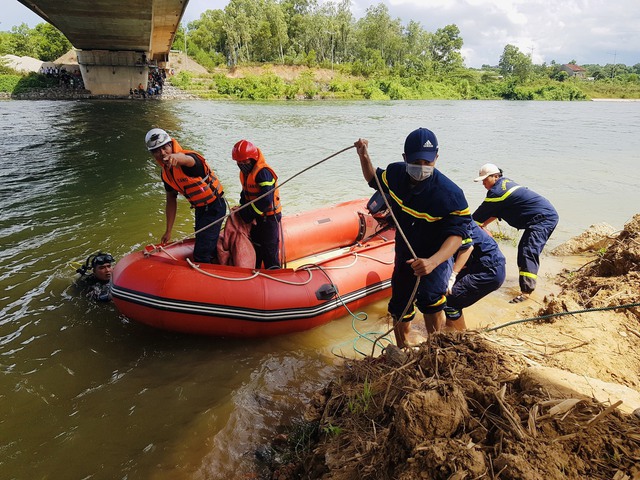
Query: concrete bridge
[[116, 40]]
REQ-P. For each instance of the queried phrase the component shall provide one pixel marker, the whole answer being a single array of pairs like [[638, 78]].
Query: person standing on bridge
[[187, 172]]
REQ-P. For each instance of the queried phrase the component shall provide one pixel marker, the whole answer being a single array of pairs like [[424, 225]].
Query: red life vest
[[200, 191], [251, 188]]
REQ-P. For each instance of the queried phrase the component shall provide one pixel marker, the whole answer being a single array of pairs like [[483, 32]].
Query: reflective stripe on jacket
[[200, 191], [428, 213], [252, 189], [519, 206]]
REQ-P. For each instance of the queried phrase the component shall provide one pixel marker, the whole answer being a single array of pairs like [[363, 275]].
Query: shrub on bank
[[8, 82], [309, 84], [611, 89], [17, 84]]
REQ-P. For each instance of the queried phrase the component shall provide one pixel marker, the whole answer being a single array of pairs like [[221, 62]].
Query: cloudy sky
[[588, 31]]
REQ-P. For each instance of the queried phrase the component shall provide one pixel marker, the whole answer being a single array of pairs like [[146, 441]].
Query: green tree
[[318, 33], [22, 41], [378, 31], [241, 18], [514, 63], [277, 28], [50, 42], [208, 32], [343, 24], [6, 44], [179, 40], [560, 75], [445, 48], [296, 14]]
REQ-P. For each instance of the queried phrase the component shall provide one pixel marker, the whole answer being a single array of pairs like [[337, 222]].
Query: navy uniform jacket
[[517, 205], [485, 249], [428, 213]]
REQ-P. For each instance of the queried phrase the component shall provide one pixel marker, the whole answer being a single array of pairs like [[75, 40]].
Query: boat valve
[[326, 292]]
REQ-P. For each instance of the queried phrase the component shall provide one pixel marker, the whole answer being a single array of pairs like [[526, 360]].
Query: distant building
[[574, 70]]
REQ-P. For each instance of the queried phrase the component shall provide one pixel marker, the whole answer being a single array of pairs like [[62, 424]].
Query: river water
[[85, 393]]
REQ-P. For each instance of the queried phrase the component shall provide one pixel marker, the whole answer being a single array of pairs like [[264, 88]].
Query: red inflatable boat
[[343, 258]]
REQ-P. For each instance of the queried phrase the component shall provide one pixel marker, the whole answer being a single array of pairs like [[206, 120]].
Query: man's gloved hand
[[452, 280]]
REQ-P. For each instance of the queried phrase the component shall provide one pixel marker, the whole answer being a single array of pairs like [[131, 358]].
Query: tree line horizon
[[405, 60], [305, 32]]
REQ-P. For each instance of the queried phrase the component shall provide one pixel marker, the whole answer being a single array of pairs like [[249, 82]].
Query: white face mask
[[419, 172]]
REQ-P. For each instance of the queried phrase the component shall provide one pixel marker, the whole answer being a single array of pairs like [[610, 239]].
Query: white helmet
[[155, 138]]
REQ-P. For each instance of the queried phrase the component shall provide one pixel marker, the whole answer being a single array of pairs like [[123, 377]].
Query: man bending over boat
[[260, 188], [433, 214], [187, 172]]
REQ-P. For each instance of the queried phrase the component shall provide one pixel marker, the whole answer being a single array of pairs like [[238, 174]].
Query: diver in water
[[97, 284]]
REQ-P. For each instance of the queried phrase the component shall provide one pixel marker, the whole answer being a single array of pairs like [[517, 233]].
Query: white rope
[[197, 268], [255, 274], [280, 185], [306, 268], [374, 259]]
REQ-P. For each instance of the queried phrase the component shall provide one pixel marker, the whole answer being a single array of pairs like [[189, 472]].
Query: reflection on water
[[84, 393]]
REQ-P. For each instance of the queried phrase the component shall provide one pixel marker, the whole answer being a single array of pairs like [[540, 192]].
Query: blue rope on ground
[[362, 317]]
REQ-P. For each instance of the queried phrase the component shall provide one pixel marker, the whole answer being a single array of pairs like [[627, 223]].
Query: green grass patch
[[16, 83], [8, 82]]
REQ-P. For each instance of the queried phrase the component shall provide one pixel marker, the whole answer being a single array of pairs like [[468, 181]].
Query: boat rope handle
[[374, 259], [335, 267], [356, 256], [162, 249], [308, 268], [197, 268], [241, 207], [255, 274], [289, 282]]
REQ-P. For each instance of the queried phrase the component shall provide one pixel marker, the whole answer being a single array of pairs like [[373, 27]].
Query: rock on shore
[[169, 92]]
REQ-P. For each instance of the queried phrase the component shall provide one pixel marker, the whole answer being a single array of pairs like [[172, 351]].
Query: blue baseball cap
[[421, 144]]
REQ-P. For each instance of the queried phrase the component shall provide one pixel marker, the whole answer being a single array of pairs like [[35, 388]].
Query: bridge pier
[[107, 72]]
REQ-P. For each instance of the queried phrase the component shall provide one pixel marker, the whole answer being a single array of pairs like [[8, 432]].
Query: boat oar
[[158, 248]]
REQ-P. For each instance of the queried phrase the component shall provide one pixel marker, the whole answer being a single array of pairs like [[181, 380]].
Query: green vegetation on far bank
[[276, 82], [269, 83], [16, 83], [284, 49]]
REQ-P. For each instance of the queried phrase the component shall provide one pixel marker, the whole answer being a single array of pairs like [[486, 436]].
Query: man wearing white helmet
[[187, 172], [522, 209]]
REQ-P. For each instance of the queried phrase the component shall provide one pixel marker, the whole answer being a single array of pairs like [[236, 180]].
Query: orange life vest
[[251, 188], [200, 191]]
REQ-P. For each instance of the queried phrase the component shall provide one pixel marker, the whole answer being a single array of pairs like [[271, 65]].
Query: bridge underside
[[115, 39]]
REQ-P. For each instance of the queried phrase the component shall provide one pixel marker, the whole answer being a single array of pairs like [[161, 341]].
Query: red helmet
[[243, 151]]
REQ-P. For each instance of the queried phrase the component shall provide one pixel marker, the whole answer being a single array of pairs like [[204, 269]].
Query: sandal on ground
[[519, 298]]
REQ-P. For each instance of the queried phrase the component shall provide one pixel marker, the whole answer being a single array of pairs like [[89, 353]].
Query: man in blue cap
[[433, 215]]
